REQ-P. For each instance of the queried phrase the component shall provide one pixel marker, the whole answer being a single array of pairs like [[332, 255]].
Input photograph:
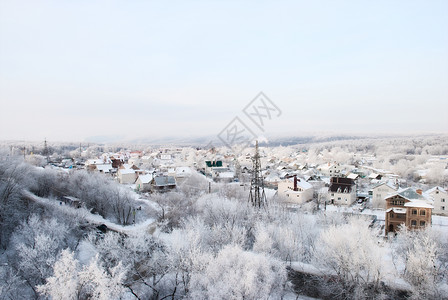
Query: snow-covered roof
[[418, 203], [164, 180], [145, 178], [436, 188], [373, 175], [407, 193], [104, 167], [352, 176], [385, 183], [94, 162], [301, 183], [225, 175], [397, 210], [126, 171]]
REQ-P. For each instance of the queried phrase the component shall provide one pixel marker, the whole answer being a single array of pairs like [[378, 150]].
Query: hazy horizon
[[131, 70]]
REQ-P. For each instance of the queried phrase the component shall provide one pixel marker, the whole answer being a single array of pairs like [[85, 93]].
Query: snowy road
[[148, 225]]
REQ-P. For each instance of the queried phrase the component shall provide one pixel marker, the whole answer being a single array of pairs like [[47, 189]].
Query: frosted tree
[[238, 274], [351, 252], [93, 281], [64, 283], [12, 285], [100, 283], [424, 258], [38, 243]]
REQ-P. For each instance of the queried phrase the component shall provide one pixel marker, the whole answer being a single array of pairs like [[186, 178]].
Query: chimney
[[419, 191], [295, 183]]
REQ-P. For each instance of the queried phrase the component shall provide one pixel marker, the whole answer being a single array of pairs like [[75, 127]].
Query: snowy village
[[345, 219]]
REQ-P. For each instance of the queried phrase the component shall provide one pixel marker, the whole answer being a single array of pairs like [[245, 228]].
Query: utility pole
[[257, 195]]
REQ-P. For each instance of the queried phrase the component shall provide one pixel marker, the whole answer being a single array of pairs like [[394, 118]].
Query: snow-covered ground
[[83, 213]]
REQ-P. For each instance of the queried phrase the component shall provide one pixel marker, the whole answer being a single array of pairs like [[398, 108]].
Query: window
[[414, 211], [422, 223], [339, 198], [443, 207], [443, 200], [413, 223], [422, 212]]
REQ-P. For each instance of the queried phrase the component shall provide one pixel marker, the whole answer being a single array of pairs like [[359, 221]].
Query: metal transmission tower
[[257, 195], [46, 152]]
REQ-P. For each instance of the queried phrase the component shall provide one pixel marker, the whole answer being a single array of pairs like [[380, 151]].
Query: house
[[331, 170], [379, 193], [212, 164], [143, 182], [116, 162], [408, 207], [91, 164], [353, 176], [163, 183], [223, 174], [104, 168], [440, 197], [182, 173], [272, 180], [295, 190], [71, 201], [375, 176], [342, 191], [126, 176], [136, 161]]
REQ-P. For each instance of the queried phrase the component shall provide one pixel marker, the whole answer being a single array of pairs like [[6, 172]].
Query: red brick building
[[409, 207]]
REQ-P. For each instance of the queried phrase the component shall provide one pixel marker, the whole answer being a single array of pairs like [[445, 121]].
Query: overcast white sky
[[70, 70]]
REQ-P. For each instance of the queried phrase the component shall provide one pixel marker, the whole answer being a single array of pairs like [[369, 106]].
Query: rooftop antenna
[[257, 195]]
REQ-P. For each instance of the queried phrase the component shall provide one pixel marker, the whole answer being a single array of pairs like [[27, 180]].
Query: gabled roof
[[342, 184], [385, 183], [408, 194], [397, 210], [414, 198], [164, 180], [145, 178], [301, 183], [418, 203], [352, 176], [436, 188]]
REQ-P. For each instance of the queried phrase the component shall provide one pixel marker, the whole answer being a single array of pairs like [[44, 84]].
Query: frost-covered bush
[[351, 253], [238, 274], [421, 258]]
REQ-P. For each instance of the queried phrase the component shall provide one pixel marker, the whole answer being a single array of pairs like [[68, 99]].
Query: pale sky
[[72, 70]]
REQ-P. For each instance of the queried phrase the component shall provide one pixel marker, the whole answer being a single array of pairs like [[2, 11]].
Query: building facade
[[407, 207]]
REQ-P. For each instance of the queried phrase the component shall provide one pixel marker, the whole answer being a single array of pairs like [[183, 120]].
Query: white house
[[331, 170], [379, 193], [126, 176], [342, 191], [136, 161], [182, 173], [223, 174], [143, 182], [440, 197], [295, 190], [104, 168]]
